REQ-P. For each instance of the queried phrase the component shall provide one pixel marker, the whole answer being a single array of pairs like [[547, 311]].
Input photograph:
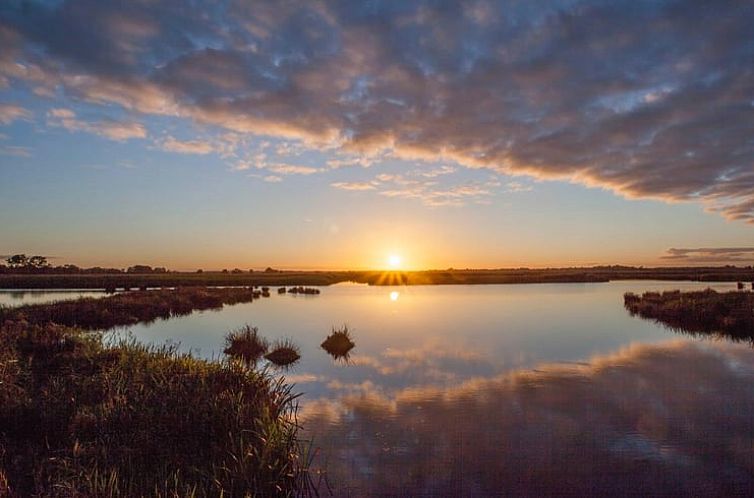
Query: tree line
[[21, 263]]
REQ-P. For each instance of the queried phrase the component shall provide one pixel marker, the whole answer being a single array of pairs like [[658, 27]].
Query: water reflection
[[673, 418], [394, 295]]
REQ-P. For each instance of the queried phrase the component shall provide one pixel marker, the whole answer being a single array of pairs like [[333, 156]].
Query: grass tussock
[[707, 311], [339, 343], [284, 353], [127, 308], [79, 419], [246, 344]]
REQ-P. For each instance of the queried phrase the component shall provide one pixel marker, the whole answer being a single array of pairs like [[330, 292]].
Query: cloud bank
[[711, 255], [650, 99]]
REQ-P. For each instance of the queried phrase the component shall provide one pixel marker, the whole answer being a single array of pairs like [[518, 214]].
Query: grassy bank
[[81, 419], [127, 308], [708, 311], [430, 277]]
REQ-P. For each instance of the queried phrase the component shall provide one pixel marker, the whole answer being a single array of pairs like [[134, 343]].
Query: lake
[[35, 296], [536, 389]]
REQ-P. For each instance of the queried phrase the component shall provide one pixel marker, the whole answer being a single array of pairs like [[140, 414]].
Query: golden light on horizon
[[394, 261]]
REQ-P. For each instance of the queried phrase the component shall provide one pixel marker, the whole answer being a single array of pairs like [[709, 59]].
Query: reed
[[707, 311], [127, 308], [79, 418], [246, 344], [339, 343], [284, 353]]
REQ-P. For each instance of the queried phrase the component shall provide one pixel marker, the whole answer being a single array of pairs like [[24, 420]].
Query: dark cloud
[[711, 255], [647, 98]]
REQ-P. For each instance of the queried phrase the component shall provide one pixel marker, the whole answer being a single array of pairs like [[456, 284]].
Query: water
[[505, 389], [20, 297]]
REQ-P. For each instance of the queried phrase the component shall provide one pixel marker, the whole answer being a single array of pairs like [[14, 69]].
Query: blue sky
[[332, 134]]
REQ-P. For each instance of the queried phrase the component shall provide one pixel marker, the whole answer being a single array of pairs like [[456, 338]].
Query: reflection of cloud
[[669, 419], [711, 255], [637, 97], [431, 364]]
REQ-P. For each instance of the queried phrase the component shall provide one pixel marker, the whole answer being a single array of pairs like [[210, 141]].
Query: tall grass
[[246, 344], [81, 419], [339, 343], [284, 353], [707, 311]]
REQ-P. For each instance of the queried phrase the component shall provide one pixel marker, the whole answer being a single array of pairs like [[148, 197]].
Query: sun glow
[[394, 295], [394, 261]]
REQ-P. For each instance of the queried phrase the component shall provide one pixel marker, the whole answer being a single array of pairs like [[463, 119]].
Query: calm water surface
[[19, 297], [539, 389]]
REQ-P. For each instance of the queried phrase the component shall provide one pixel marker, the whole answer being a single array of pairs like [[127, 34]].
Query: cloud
[[201, 147], [10, 113], [15, 150], [290, 169], [110, 128], [711, 255], [638, 97], [353, 185]]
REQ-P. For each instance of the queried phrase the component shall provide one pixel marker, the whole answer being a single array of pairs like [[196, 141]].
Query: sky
[[336, 134]]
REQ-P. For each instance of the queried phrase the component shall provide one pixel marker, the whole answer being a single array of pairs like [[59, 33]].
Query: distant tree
[[38, 262], [17, 261], [251, 270], [237, 270], [225, 270], [199, 271], [139, 269], [160, 269], [270, 270]]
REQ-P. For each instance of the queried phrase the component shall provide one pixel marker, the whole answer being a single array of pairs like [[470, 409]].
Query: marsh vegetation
[[79, 418], [707, 311], [127, 308], [339, 343]]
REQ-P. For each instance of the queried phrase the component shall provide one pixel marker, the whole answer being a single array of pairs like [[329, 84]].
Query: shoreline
[[25, 281]]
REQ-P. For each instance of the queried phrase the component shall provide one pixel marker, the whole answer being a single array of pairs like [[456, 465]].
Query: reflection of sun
[[394, 260], [394, 295]]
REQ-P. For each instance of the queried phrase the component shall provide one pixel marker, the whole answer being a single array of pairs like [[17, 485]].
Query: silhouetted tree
[[17, 261], [139, 269]]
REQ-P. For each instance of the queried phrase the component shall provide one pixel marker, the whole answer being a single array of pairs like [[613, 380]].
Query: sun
[[394, 261]]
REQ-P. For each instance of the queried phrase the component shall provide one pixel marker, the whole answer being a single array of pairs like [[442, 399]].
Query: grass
[[284, 353], [78, 418], [127, 308], [246, 344], [707, 311], [339, 343]]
